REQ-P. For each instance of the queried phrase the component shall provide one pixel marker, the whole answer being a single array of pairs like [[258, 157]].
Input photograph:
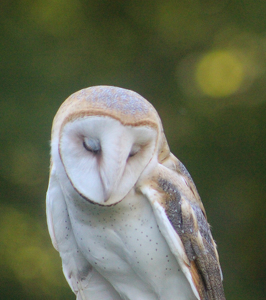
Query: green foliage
[[201, 64]]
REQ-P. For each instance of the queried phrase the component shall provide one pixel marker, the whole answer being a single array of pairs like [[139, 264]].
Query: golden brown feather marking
[[189, 221], [124, 105], [197, 280]]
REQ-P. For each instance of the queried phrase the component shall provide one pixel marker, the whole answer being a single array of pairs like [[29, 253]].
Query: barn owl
[[122, 210]]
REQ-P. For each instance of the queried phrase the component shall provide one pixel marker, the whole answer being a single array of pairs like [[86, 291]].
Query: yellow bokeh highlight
[[27, 252], [219, 73], [57, 17], [25, 165]]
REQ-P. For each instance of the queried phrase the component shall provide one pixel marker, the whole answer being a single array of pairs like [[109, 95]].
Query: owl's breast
[[124, 244]]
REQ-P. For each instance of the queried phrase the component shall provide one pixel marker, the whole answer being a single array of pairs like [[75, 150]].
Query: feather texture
[[176, 193], [122, 210]]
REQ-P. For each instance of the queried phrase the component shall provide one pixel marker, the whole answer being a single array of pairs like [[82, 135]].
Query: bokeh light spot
[[25, 251], [219, 73], [25, 165], [57, 17]]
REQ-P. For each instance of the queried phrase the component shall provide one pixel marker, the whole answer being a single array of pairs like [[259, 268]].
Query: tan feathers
[[122, 210]]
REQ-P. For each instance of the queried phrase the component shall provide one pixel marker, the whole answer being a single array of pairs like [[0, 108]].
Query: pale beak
[[111, 175]]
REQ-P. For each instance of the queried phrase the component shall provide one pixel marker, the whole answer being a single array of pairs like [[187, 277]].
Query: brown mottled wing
[[177, 207]]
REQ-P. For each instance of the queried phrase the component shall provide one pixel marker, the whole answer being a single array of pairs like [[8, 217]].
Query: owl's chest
[[127, 231], [125, 245]]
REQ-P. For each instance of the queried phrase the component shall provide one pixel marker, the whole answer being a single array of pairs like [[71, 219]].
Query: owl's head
[[104, 137]]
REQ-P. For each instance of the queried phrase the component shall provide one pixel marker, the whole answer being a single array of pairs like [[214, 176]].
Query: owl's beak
[[112, 172], [111, 181], [106, 193]]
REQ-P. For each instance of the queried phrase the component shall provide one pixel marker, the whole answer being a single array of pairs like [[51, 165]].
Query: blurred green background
[[202, 65]]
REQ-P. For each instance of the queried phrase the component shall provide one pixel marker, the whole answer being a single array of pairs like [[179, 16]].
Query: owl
[[122, 210]]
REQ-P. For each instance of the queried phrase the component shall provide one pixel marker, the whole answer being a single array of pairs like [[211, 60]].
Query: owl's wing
[[84, 280], [182, 221]]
